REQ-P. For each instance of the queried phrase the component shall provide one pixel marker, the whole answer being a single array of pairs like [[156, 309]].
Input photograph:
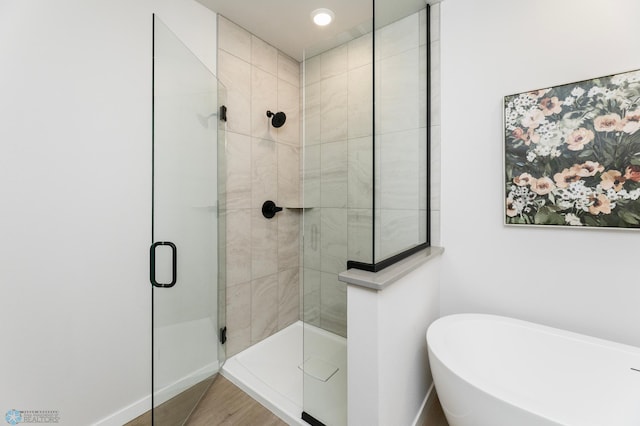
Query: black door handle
[[152, 264]]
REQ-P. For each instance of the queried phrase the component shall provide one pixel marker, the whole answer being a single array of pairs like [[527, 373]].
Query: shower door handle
[[152, 264]]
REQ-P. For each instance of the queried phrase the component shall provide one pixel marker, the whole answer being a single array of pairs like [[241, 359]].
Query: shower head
[[277, 119]]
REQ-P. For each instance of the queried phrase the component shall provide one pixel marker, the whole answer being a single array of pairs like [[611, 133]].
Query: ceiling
[[287, 25]]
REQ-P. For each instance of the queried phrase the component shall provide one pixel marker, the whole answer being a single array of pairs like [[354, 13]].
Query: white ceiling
[[287, 25]]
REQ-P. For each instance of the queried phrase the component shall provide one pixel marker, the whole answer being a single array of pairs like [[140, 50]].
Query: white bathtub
[[497, 371]]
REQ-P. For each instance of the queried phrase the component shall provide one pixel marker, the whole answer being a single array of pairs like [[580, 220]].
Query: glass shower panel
[[184, 267], [338, 202], [401, 167]]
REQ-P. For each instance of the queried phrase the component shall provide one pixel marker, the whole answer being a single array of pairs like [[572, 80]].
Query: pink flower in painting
[[542, 186], [533, 118], [631, 122], [578, 138], [538, 93], [565, 177], [550, 106], [511, 210], [588, 168], [600, 204], [632, 172], [612, 179], [523, 180], [607, 123]]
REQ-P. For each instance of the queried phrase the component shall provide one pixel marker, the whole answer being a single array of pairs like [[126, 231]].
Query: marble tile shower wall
[[263, 163], [337, 182], [337, 129], [401, 120]]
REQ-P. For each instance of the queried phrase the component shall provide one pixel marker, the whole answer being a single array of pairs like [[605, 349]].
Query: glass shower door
[[184, 254]]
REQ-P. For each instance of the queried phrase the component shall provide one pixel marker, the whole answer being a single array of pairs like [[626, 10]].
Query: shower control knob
[[269, 209]]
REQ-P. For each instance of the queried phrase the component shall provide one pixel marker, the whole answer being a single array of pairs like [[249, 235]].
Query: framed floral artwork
[[572, 154]]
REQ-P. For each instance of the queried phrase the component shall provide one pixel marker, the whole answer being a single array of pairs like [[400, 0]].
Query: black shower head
[[277, 119]]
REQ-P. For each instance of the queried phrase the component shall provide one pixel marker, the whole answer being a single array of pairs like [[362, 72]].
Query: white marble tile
[[333, 304], [311, 176], [264, 307], [311, 296], [264, 56], [333, 240], [435, 84], [360, 102], [238, 171], [398, 36], [400, 92], [311, 67], [424, 159], [238, 246], [400, 165], [311, 114], [435, 22], [400, 231], [238, 305], [288, 239], [289, 103], [435, 178], [288, 297], [360, 51], [234, 39], [312, 239], [422, 224], [360, 173], [235, 75], [264, 169], [334, 62], [436, 239], [422, 81], [264, 245], [288, 176], [333, 174], [264, 97], [333, 109], [422, 38], [360, 238], [288, 69]]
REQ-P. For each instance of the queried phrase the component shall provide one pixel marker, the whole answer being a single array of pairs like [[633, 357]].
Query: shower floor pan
[[271, 372]]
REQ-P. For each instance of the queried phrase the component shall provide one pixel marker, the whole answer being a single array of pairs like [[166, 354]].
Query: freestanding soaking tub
[[496, 371]]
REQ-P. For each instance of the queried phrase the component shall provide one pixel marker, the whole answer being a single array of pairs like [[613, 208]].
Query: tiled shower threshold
[[271, 372]]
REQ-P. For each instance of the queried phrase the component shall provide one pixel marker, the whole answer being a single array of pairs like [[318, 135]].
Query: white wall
[[75, 185], [388, 369], [580, 280]]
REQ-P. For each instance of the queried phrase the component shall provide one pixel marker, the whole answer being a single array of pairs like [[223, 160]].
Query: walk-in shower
[[333, 176]]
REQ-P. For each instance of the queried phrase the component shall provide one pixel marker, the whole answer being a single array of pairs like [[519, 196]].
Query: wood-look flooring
[[435, 415], [224, 404]]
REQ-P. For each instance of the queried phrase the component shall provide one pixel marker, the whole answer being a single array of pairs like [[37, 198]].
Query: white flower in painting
[[633, 77], [531, 156], [555, 153], [568, 100], [533, 118], [572, 219], [577, 92], [594, 91], [619, 79]]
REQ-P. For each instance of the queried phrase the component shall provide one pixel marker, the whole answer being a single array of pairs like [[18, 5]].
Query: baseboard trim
[[429, 399], [127, 414]]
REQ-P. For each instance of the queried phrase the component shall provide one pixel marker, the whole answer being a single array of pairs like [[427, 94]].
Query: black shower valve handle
[[269, 209]]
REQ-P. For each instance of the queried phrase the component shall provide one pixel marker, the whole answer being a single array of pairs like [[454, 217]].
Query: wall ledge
[[380, 280]]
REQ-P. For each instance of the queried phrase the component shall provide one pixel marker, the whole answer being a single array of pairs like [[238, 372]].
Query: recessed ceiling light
[[322, 17]]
